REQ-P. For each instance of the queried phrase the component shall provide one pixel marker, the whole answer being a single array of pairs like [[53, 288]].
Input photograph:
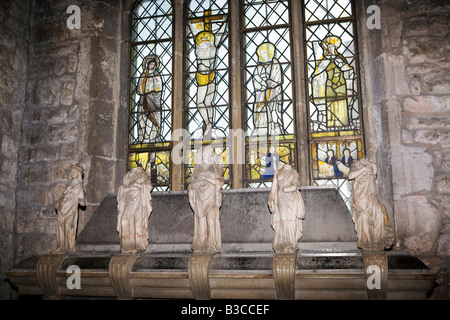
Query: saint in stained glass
[[267, 80], [206, 45], [150, 89], [332, 83]]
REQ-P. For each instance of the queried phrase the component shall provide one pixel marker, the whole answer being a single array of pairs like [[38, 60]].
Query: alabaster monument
[[205, 198], [67, 210], [134, 206], [287, 208], [372, 223]]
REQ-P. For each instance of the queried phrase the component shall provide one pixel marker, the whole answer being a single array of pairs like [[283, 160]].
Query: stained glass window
[[150, 107], [268, 90], [207, 84], [333, 95], [245, 65]]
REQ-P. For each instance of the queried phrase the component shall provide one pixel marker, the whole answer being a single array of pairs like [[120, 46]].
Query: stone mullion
[[236, 105], [178, 90], [301, 116]]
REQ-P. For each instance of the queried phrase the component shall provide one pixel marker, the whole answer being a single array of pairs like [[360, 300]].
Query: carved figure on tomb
[[134, 204], [150, 88], [67, 210], [205, 198], [372, 223], [287, 208]]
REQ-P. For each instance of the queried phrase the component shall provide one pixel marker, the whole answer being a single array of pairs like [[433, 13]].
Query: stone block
[[8, 169], [104, 60], [437, 83], [444, 245], [67, 92], [101, 124], [33, 135], [36, 174], [427, 104], [443, 184], [34, 244], [38, 153], [412, 170], [424, 49], [432, 138], [63, 133], [47, 91], [394, 75], [59, 66], [30, 222], [49, 31], [428, 123], [99, 184], [417, 224], [96, 17], [72, 62], [6, 121], [33, 196], [9, 146]]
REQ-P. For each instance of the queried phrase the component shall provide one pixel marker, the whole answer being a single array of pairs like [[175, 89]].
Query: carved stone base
[[119, 272], [376, 271], [198, 269], [46, 274], [284, 275]]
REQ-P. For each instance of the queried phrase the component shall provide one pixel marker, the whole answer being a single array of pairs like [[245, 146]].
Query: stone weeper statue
[[67, 210], [287, 208], [205, 198], [134, 205]]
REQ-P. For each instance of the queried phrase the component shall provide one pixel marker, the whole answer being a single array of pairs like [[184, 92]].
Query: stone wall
[[13, 79], [407, 72], [68, 95]]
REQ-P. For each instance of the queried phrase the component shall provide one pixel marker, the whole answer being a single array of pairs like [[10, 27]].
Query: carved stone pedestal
[[46, 274], [376, 272], [119, 273], [198, 269], [284, 275]]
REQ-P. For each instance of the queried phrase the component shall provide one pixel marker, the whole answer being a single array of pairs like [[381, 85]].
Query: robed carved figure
[[134, 205], [372, 223], [287, 208], [205, 198], [67, 209]]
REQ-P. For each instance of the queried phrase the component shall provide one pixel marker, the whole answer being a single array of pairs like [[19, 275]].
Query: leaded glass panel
[[150, 104], [333, 98], [207, 83], [268, 89]]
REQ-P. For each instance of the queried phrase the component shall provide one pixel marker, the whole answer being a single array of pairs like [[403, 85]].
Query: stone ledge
[[231, 276]]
